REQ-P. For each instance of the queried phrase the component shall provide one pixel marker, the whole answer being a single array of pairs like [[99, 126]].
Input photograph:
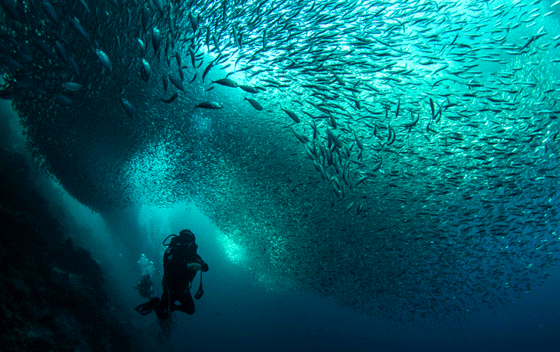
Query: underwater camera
[[199, 293]]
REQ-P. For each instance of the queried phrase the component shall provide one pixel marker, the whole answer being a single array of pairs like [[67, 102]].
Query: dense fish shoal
[[405, 148]]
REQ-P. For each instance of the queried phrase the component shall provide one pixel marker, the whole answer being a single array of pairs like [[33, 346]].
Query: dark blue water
[[240, 312]]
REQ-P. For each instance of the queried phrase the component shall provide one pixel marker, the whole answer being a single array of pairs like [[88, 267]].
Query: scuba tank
[[176, 243]]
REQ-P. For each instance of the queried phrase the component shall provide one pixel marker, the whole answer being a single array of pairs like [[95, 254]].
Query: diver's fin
[[148, 307]]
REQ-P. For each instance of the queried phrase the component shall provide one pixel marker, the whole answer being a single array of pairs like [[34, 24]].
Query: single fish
[[71, 86], [61, 52], [146, 16], [159, 5], [194, 21], [128, 108], [170, 99], [176, 82], [64, 99], [209, 105], [248, 89], [105, 61], [85, 5], [255, 104], [226, 82], [292, 115], [206, 70], [391, 136], [146, 70], [156, 39], [194, 78], [78, 28], [165, 82], [49, 10], [142, 47]]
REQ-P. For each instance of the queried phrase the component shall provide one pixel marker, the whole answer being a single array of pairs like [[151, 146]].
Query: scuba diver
[[181, 262], [145, 287]]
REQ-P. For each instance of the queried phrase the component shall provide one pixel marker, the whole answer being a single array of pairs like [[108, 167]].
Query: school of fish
[[398, 157]]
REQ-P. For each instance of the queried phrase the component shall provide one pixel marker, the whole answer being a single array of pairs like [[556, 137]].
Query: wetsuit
[[178, 277]]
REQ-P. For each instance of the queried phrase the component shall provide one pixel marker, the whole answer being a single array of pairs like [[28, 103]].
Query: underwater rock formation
[[51, 292]]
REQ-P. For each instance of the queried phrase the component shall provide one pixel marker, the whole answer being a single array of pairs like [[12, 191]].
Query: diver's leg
[[187, 303], [148, 307], [162, 308]]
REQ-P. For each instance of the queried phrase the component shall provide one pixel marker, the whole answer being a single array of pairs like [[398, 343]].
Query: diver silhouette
[[181, 262], [145, 287]]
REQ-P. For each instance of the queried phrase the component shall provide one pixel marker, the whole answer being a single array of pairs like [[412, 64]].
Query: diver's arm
[[194, 267], [204, 266], [201, 265]]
